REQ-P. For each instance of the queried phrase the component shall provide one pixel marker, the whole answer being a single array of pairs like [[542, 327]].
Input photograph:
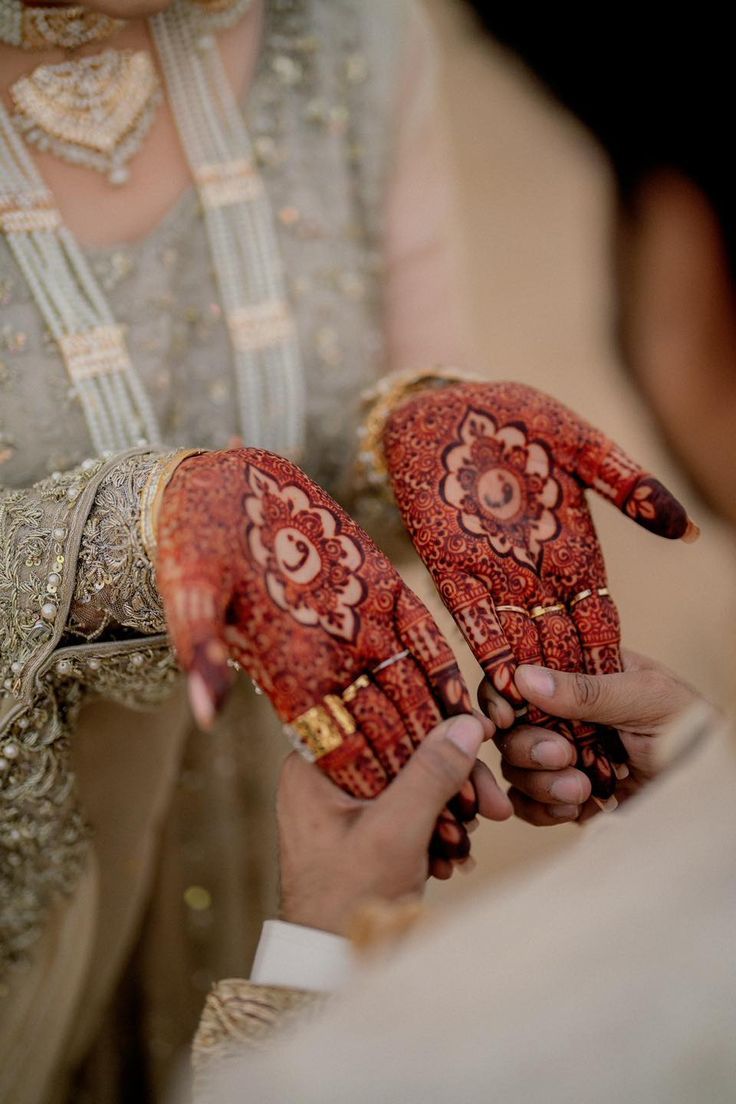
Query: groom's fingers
[[542, 816], [563, 787], [631, 699], [492, 801], [408, 810], [533, 748]]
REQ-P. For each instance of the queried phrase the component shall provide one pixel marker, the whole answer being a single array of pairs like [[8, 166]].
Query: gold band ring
[[541, 611], [602, 592]]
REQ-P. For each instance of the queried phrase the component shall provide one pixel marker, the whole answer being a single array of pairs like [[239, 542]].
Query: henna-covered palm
[[258, 564], [490, 481]]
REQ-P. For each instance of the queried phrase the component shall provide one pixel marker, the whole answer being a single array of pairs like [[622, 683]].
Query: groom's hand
[[642, 702], [337, 852]]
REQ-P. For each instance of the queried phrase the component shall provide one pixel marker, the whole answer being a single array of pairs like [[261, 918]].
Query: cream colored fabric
[[39, 1004], [126, 765], [609, 977]]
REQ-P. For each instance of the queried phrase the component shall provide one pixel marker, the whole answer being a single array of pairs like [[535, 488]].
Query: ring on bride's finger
[[512, 609], [602, 592], [540, 611], [323, 728], [389, 662]]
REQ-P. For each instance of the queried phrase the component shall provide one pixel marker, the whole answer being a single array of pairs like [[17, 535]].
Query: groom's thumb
[[433, 775]]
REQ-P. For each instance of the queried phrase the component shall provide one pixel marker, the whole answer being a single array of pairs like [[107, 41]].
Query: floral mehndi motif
[[500, 483], [310, 564]]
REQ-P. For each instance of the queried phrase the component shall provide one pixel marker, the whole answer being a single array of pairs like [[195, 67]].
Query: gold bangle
[[323, 728], [379, 403], [159, 478]]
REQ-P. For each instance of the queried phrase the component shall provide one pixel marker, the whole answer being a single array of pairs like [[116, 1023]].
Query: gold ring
[[323, 728], [540, 611], [602, 592], [511, 609]]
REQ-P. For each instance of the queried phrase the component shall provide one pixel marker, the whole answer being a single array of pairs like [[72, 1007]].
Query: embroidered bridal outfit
[[308, 257]]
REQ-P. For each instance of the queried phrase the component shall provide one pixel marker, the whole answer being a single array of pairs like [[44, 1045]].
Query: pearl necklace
[[240, 228], [92, 111]]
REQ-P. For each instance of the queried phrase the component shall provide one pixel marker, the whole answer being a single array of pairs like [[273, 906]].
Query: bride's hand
[[490, 479], [257, 564]]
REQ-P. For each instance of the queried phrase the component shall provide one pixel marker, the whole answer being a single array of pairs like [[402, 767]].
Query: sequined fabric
[[58, 585]]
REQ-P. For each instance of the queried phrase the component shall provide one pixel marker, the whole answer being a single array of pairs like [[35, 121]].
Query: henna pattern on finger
[[490, 480]]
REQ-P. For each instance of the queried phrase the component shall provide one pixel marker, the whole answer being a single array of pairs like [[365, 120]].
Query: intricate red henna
[[259, 564], [490, 482]]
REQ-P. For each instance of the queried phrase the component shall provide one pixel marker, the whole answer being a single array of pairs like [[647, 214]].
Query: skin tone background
[[534, 222]]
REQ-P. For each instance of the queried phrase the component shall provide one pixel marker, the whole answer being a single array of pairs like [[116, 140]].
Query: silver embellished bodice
[[319, 113]]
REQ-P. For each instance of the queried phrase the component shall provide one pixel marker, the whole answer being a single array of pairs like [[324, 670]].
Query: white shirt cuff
[[301, 958]]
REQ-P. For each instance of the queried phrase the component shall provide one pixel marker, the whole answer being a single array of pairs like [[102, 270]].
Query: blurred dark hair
[[655, 86]]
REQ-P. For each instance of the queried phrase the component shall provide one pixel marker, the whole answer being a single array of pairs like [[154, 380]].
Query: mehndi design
[[490, 481], [256, 563]]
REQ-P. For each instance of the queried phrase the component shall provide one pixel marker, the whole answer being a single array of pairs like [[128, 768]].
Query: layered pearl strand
[[241, 231], [243, 244], [114, 401]]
